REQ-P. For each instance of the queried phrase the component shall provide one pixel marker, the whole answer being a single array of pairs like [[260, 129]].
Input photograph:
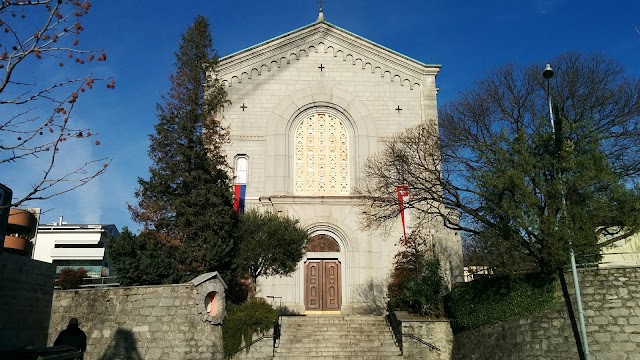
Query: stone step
[[337, 351], [335, 333], [348, 357], [336, 337], [317, 327], [342, 345], [341, 353], [345, 337], [343, 341], [328, 320], [315, 338]]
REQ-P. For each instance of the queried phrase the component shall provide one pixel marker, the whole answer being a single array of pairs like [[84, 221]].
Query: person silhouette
[[73, 336]]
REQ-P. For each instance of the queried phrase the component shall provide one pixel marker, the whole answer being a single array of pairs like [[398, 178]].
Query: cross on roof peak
[[320, 13]]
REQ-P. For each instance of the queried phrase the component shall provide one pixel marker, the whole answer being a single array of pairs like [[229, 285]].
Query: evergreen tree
[[186, 204], [140, 259]]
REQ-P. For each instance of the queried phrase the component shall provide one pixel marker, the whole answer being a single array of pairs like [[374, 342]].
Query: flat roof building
[[75, 246]]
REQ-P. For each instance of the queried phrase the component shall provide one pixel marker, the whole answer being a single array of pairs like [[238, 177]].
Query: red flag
[[403, 196]]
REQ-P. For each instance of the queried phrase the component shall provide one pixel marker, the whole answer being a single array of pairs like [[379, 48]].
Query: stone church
[[308, 108]]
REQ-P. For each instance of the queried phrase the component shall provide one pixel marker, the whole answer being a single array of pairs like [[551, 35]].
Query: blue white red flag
[[239, 191]]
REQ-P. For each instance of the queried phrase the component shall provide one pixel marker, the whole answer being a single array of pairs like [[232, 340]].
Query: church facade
[[308, 108]]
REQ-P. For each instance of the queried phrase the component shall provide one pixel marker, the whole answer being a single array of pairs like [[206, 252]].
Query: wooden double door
[[323, 291]]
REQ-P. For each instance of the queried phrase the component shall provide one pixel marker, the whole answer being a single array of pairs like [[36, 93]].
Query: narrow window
[[242, 166]]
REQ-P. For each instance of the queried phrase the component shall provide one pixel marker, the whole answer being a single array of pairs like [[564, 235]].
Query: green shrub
[[70, 278], [496, 299], [243, 321], [417, 284]]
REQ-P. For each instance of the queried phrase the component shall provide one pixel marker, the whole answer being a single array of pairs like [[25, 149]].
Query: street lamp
[[548, 74]]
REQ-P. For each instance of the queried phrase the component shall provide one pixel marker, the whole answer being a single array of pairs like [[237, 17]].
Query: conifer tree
[[186, 204]]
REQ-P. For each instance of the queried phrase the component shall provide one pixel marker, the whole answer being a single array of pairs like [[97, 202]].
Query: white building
[[308, 108], [75, 245]]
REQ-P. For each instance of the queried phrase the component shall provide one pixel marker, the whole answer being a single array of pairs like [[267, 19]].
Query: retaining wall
[[611, 301], [435, 332], [26, 289], [146, 322]]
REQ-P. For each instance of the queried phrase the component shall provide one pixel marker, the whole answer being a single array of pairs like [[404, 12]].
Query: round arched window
[[323, 243], [211, 302], [321, 156]]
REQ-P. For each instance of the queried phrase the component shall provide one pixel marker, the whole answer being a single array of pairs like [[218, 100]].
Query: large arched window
[[321, 156]]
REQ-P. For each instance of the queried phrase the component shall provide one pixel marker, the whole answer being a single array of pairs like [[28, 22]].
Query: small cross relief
[[398, 109], [243, 107], [321, 67]]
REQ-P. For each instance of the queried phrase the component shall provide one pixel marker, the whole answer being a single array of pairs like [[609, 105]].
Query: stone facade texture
[[611, 302], [434, 332], [146, 322], [322, 69], [26, 290]]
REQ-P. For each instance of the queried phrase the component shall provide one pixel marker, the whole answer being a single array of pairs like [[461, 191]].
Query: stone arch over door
[[286, 114], [322, 275], [333, 250]]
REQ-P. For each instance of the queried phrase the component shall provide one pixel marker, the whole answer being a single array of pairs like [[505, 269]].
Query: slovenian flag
[[239, 191]]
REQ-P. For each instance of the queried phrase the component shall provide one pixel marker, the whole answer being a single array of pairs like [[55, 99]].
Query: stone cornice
[[281, 50]]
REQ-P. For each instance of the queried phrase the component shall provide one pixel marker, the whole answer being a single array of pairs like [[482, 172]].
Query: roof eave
[[228, 58]]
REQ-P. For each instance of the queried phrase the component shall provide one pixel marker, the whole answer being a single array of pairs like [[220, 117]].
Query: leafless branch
[[36, 114]]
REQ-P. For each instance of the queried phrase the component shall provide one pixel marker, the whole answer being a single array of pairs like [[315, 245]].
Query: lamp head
[[548, 72]]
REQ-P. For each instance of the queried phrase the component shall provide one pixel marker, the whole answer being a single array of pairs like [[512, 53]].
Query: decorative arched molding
[[336, 229], [392, 75], [285, 115], [332, 229], [322, 243]]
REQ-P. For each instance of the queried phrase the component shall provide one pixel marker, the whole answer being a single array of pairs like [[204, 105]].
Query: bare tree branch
[[36, 114], [492, 161]]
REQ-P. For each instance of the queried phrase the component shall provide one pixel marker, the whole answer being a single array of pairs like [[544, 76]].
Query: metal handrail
[[277, 325], [392, 321], [420, 340], [396, 328], [264, 336], [275, 336], [95, 282]]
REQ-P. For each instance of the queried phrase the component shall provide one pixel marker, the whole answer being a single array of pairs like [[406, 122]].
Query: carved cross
[[398, 109], [243, 107], [321, 67]]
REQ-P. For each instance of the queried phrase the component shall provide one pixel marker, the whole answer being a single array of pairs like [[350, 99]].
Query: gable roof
[[311, 36]]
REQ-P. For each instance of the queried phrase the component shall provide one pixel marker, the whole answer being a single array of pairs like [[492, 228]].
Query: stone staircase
[[336, 337]]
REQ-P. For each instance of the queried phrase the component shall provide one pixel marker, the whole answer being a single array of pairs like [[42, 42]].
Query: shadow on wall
[[372, 296], [123, 346]]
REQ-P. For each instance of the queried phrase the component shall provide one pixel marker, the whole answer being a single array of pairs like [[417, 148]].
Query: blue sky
[[468, 38]]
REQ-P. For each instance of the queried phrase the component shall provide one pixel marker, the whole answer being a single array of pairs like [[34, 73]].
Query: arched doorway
[[322, 275]]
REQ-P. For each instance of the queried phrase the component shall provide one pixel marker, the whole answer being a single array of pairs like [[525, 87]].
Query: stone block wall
[[261, 350], [26, 290], [434, 332], [145, 322], [611, 302]]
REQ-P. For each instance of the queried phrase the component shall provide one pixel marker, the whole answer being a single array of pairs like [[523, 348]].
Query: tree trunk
[[252, 287]]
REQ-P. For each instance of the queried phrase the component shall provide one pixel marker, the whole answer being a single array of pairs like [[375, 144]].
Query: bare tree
[[521, 191], [36, 120]]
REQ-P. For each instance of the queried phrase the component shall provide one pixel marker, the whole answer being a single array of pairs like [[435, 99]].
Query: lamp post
[[548, 74]]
